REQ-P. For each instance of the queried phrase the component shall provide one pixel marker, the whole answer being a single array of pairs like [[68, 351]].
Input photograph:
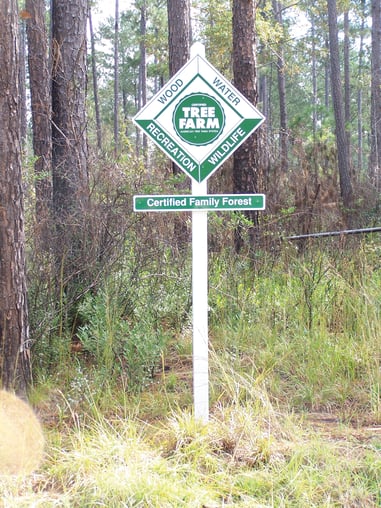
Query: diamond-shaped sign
[[198, 119]]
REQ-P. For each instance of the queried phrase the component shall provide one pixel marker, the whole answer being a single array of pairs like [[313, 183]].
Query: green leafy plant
[[117, 342]]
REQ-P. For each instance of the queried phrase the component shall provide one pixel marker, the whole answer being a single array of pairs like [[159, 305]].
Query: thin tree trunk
[[41, 106], [283, 136], [341, 138], [327, 76], [116, 80], [95, 84], [375, 158], [314, 78], [264, 96], [347, 85], [360, 92], [143, 68]]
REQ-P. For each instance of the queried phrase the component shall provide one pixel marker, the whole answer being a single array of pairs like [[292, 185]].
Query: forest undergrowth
[[295, 385], [295, 379]]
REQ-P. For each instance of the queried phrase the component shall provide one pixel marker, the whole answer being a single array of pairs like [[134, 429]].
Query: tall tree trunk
[[327, 76], [98, 124], [178, 39], [347, 84], [159, 78], [341, 138], [15, 367], [40, 92], [314, 78], [178, 34], [70, 176], [247, 176], [360, 92], [116, 80], [264, 95], [143, 68], [179, 53], [375, 157], [281, 69], [69, 154]]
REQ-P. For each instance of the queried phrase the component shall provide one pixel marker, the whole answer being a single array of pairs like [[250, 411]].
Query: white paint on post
[[200, 294], [200, 307], [197, 49]]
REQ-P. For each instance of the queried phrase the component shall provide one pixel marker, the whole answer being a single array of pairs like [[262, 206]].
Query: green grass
[[295, 389], [248, 455], [310, 327]]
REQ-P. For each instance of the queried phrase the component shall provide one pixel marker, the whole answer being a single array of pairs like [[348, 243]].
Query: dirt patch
[[332, 427]]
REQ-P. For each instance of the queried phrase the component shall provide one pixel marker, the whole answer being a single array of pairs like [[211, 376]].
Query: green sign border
[[181, 156], [210, 202], [198, 171]]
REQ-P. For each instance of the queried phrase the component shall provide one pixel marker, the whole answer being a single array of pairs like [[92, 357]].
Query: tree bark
[[69, 150], [283, 134], [337, 98], [179, 53], [375, 157], [40, 91], [360, 92], [70, 177], [98, 124], [116, 80], [178, 40], [15, 367], [143, 69], [178, 34], [246, 172], [347, 84]]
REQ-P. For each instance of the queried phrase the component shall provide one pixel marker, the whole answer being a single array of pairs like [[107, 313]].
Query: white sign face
[[198, 119]]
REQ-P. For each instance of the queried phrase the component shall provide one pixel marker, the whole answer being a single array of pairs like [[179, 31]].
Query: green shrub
[[117, 342]]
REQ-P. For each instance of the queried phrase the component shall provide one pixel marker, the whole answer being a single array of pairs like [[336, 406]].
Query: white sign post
[[200, 307], [200, 295], [199, 119]]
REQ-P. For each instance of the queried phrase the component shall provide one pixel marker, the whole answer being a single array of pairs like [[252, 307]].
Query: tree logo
[[198, 119]]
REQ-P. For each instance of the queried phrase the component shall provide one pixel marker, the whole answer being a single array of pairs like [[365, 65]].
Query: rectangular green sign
[[210, 202]]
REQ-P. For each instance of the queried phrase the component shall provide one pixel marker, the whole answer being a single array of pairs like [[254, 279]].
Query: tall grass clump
[[248, 455], [306, 324]]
